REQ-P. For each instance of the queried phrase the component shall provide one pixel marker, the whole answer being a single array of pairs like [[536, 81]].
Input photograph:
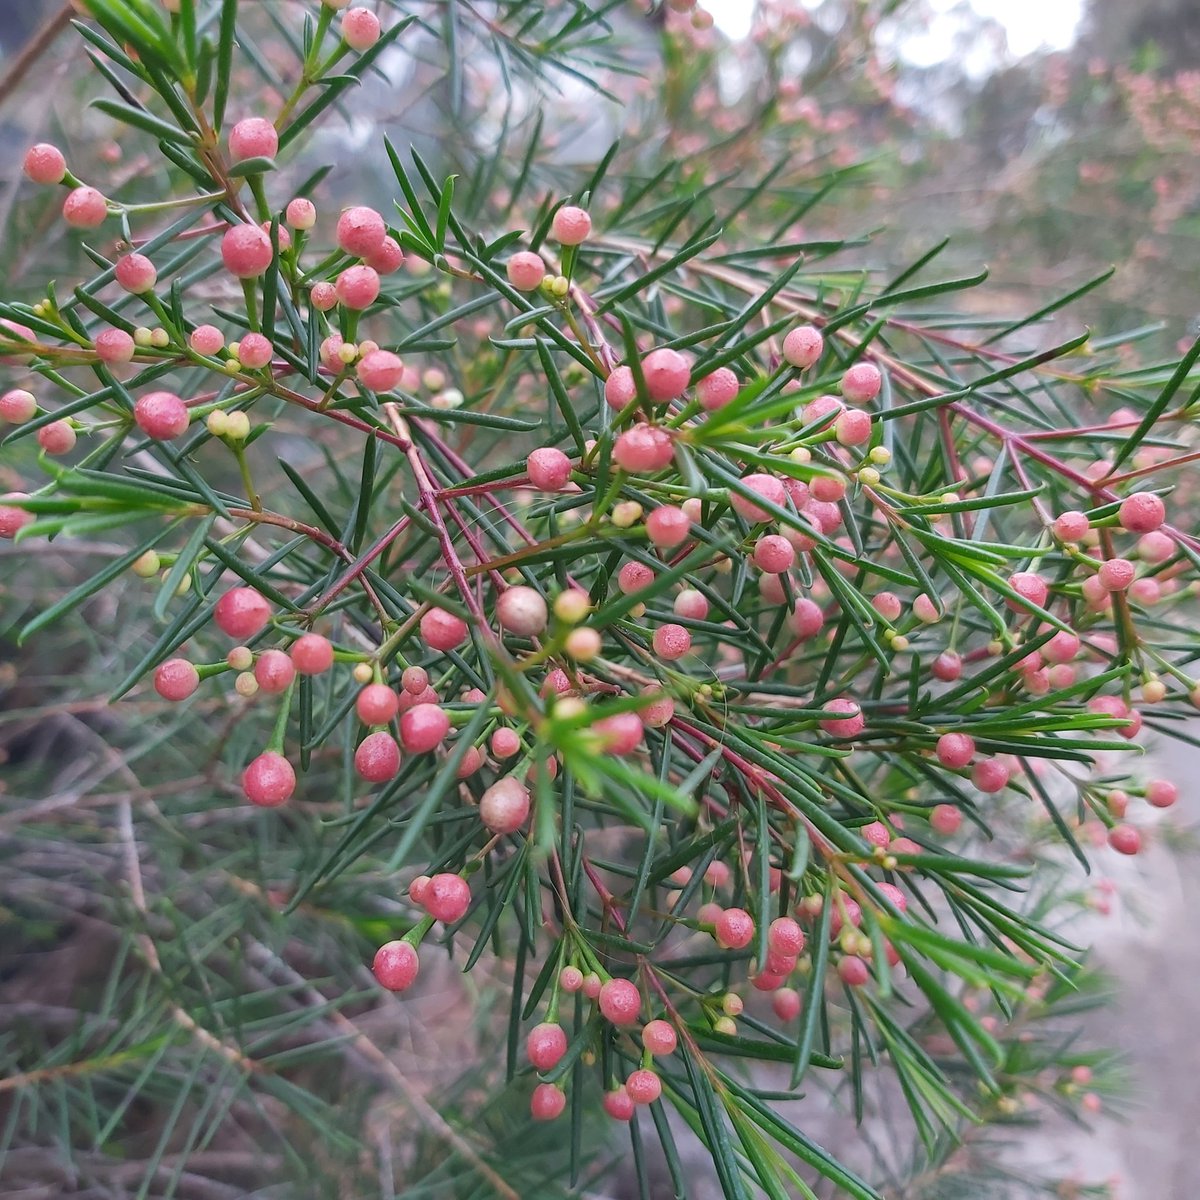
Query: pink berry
[[621, 733], [380, 370], [691, 605], [161, 415], [57, 438], [323, 296], [671, 641], [549, 469], [667, 526], [1155, 547], [269, 780], [786, 1003], [659, 1038], [522, 610], [417, 889], [546, 1044], [591, 985], [659, 713], [853, 971], [825, 410], [176, 679], [643, 1086], [768, 981], [887, 605], [423, 728], [312, 654], [570, 979], [255, 137], [945, 819], [504, 807], [734, 929], [388, 259], [360, 28], [14, 335], [1124, 839], [396, 966], [570, 226], [807, 619], [644, 449], [547, 1102], [620, 1002], [619, 388], [1143, 512], [774, 554], [358, 287], [505, 742], [254, 351], [241, 613], [853, 428], [45, 164], [717, 390], [376, 704], [861, 384], [447, 897], [414, 680], [526, 271], [274, 671], [85, 208], [1061, 648], [766, 486], [947, 666], [246, 251], [377, 758], [634, 576], [803, 346], [618, 1105], [360, 231], [955, 749], [784, 936], [443, 631], [17, 406], [206, 339], [1071, 526], [136, 273], [1161, 793], [895, 895], [1116, 574], [852, 724], [1029, 586], [667, 374], [876, 834], [113, 346], [301, 214], [990, 775]]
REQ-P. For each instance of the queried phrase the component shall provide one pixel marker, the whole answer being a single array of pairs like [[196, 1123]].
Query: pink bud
[[396, 966], [571, 226], [85, 208], [246, 251], [358, 287], [667, 374], [717, 390], [380, 370], [360, 231], [803, 346], [861, 383], [255, 137], [269, 780], [161, 415], [549, 469], [45, 164], [360, 28], [114, 346], [526, 271]]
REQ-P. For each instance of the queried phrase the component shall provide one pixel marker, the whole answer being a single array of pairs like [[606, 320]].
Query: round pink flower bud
[[734, 929], [274, 671], [621, 733], [85, 208], [241, 613], [45, 163], [619, 388], [667, 526], [443, 631], [323, 296], [447, 897], [955, 749], [634, 576], [546, 1044], [990, 775], [526, 271], [659, 1038], [1155, 547], [312, 654], [176, 679], [1061, 648], [136, 273], [766, 486], [803, 346], [852, 428], [852, 971], [396, 966], [570, 979], [1124, 839], [246, 251], [254, 351], [1029, 586], [358, 287], [12, 519], [1116, 574], [1143, 512], [522, 611], [380, 370], [423, 728], [784, 936], [360, 28], [255, 137], [667, 374], [947, 666], [206, 339], [861, 384], [659, 712], [1161, 793], [945, 819], [1071, 526], [717, 390], [504, 807], [807, 620], [57, 438], [644, 449], [671, 641], [114, 346], [360, 231], [620, 1002], [376, 704], [774, 554], [618, 1104], [887, 605], [643, 1086], [388, 259], [269, 780], [301, 214], [852, 724], [571, 226], [547, 1102], [161, 415], [505, 742], [549, 469], [17, 406], [786, 1004]]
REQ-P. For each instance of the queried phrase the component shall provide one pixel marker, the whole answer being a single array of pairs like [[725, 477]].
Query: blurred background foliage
[[922, 124]]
